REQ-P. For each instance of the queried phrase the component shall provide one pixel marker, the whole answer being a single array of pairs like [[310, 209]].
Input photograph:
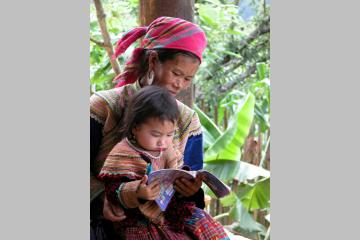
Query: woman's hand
[[186, 187], [148, 192], [112, 212]]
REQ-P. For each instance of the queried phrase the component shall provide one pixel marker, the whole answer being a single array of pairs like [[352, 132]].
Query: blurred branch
[[101, 44], [264, 7], [263, 28], [229, 85], [243, 61], [101, 16], [242, 77], [249, 71]]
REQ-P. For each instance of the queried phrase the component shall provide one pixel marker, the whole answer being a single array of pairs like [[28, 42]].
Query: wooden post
[[184, 9], [225, 119]]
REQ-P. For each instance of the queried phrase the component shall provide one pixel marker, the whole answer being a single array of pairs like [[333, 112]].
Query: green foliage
[[258, 195], [227, 146], [231, 51], [244, 223], [240, 170], [210, 130], [222, 158], [120, 17]]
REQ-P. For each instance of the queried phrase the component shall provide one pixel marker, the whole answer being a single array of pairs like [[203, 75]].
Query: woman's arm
[[193, 154], [193, 157], [194, 150]]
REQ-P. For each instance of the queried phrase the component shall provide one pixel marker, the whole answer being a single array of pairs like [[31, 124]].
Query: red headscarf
[[163, 32]]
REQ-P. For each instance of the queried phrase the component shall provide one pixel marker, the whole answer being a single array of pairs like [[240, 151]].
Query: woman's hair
[[149, 102], [164, 54]]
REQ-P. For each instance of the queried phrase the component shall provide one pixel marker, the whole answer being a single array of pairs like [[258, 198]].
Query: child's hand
[[148, 192], [186, 187]]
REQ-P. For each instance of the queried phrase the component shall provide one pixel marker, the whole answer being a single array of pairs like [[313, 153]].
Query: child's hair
[[149, 102]]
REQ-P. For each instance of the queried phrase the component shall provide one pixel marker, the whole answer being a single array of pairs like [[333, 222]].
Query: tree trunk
[[101, 16], [152, 9]]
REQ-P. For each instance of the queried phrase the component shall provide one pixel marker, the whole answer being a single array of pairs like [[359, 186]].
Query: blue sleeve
[[193, 155]]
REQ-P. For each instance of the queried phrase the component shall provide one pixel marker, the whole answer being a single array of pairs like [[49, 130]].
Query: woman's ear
[[153, 59]]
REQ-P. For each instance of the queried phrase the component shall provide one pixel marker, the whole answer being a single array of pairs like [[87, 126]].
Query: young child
[[149, 130]]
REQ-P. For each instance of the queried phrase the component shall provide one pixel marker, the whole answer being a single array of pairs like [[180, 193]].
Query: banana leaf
[[227, 102], [245, 223], [229, 200], [241, 171], [208, 124], [228, 145], [208, 138], [258, 197]]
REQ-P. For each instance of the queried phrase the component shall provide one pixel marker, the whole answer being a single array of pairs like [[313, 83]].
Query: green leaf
[[221, 111], [261, 70], [232, 54], [230, 170], [215, 2], [245, 223], [264, 123], [208, 138], [259, 196], [234, 32], [104, 80], [243, 189], [99, 75], [94, 25], [228, 200], [228, 145], [208, 15], [208, 124]]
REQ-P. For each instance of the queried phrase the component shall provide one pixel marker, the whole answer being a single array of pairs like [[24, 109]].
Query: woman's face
[[177, 74]]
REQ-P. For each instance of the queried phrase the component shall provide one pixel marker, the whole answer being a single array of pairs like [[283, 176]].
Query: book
[[168, 176]]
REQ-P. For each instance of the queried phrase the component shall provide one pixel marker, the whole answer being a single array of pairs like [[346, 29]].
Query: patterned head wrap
[[163, 32]]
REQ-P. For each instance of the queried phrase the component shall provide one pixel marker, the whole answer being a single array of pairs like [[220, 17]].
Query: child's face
[[154, 134]]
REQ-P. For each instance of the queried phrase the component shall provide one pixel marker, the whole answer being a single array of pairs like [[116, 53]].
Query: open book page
[[168, 176], [219, 188]]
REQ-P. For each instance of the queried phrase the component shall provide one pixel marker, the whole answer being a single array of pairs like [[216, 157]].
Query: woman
[[169, 56]]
